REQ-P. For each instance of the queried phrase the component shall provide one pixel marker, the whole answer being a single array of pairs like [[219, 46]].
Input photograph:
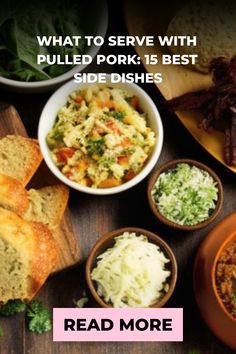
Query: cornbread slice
[[13, 195], [47, 205], [19, 157], [28, 253]]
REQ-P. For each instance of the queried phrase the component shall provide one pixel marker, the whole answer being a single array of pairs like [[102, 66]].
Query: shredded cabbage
[[82, 301], [185, 195], [132, 273]]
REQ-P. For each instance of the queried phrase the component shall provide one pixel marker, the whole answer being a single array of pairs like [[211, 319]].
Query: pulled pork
[[218, 104]]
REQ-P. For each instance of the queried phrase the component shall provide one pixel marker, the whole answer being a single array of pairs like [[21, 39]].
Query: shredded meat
[[226, 278], [218, 104]]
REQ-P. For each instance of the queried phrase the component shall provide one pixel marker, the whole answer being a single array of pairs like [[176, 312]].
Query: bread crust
[[37, 247], [45, 257]]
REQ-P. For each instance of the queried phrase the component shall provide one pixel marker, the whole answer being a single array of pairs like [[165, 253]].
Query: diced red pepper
[[123, 160], [111, 125], [68, 174], [129, 175], [135, 102], [64, 154], [125, 142], [89, 182], [78, 99]]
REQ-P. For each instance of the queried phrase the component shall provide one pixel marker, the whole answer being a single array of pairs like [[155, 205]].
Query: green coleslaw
[[185, 195]]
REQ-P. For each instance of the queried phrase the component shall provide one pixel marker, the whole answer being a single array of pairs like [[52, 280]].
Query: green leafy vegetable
[[19, 28], [39, 317], [95, 147], [12, 307], [185, 195]]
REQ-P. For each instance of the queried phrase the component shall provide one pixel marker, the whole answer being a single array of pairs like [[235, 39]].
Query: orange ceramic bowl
[[217, 317]]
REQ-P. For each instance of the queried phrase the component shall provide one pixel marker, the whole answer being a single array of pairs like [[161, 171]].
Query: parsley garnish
[[12, 307], [119, 115], [39, 317], [95, 147]]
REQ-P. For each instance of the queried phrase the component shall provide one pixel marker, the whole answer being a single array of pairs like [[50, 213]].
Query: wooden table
[[94, 215]]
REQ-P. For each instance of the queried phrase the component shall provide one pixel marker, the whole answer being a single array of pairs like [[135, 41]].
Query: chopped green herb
[[57, 135], [233, 297], [12, 307], [119, 115], [107, 162], [105, 117], [128, 100], [95, 147], [39, 317]]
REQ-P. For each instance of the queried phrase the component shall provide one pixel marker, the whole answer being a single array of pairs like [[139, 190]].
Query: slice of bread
[[28, 254], [47, 205], [13, 195], [19, 157]]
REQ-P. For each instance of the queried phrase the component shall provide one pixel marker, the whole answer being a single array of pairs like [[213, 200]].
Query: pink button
[[118, 325]]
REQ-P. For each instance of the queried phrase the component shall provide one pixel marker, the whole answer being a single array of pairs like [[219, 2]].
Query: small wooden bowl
[[107, 241], [169, 165]]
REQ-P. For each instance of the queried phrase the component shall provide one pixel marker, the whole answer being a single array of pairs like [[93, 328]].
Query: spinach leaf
[[56, 70], [19, 28]]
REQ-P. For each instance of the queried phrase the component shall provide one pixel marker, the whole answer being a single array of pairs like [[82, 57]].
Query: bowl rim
[[230, 239], [167, 166], [149, 165], [210, 310], [92, 51], [152, 237]]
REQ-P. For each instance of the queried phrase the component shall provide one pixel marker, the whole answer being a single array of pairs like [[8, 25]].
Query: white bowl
[[97, 27], [59, 98]]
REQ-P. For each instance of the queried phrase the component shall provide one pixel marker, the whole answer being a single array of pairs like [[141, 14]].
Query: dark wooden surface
[[95, 215]]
